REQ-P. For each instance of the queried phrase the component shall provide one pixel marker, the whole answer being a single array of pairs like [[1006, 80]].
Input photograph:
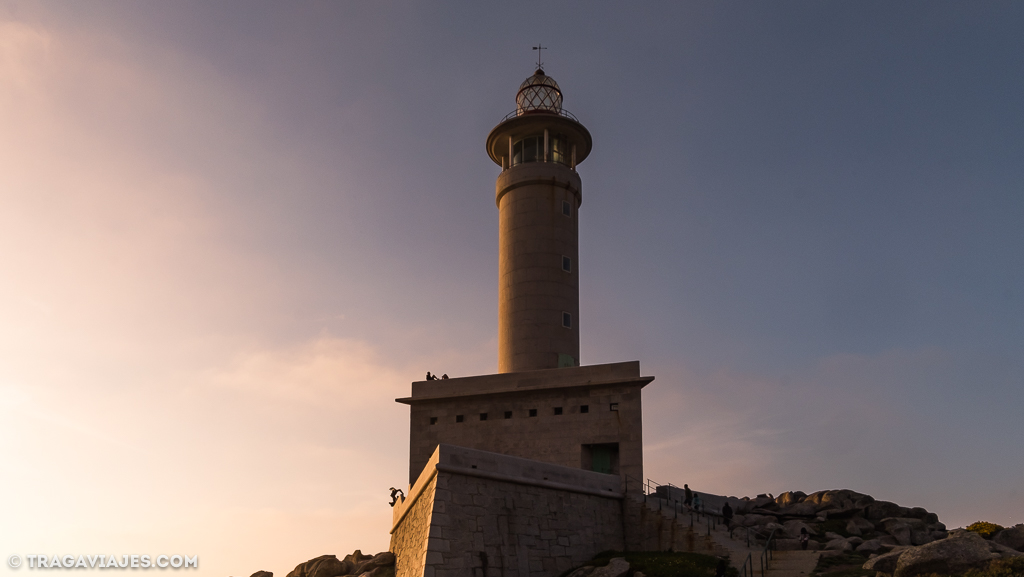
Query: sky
[[232, 233]]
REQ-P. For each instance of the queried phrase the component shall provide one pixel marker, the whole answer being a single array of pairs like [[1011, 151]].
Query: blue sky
[[237, 231]]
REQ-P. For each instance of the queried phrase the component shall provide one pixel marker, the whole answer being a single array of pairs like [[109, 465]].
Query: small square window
[[584, 408], [508, 414], [566, 264], [567, 320], [558, 410], [458, 418], [533, 412], [483, 416], [566, 208], [613, 407], [433, 420]]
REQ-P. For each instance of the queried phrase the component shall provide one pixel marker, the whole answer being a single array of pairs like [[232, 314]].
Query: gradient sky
[[232, 233]]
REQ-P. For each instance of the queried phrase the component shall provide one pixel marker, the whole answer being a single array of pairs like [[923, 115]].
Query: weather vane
[[538, 48]]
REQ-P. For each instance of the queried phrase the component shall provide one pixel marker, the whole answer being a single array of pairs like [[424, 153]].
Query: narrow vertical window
[[566, 209], [567, 320], [566, 264]]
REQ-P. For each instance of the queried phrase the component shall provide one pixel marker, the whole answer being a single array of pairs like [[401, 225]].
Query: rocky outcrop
[[854, 521], [262, 574], [356, 564], [1012, 537], [961, 551]]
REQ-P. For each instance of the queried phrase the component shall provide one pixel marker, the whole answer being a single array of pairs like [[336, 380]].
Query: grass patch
[[848, 565], [664, 564]]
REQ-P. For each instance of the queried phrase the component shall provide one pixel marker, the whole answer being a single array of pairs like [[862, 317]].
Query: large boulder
[[950, 556], [792, 528], [322, 566], [1012, 537], [799, 510], [870, 547], [882, 509], [790, 498], [262, 574], [378, 565], [898, 528], [859, 526], [839, 544], [885, 563]]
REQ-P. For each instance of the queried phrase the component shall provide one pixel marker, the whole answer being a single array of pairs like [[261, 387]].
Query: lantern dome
[[539, 92]]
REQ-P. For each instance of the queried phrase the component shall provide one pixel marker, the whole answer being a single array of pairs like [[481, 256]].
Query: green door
[[601, 459]]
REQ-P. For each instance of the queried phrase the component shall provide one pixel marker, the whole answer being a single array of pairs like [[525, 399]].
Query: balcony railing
[[520, 112]]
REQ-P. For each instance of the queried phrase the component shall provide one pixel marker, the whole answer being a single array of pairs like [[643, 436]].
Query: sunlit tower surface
[[538, 194]]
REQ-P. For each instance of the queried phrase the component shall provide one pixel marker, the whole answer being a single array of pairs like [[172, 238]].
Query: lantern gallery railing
[[522, 112]]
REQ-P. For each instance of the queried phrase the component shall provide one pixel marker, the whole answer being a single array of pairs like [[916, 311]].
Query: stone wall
[[494, 515], [410, 543]]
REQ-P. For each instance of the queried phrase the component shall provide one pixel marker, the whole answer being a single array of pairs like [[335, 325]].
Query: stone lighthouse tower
[[538, 194]]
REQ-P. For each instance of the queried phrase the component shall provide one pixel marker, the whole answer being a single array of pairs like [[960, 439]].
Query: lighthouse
[[543, 405], [538, 193]]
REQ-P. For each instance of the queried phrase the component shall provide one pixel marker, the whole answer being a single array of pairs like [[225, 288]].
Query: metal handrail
[[747, 569], [521, 112], [766, 555]]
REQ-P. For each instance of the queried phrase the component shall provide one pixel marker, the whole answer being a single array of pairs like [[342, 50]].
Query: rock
[[898, 529], [881, 509], [617, 567], [936, 526], [792, 528], [930, 519], [800, 510], [323, 566], [853, 529], [861, 523], [829, 535], [831, 553], [870, 546], [790, 498], [376, 565], [919, 513], [885, 563], [950, 556], [1012, 537], [839, 544], [888, 540], [854, 540], [936, 535], [356, 558], [1003, 551], [919, 537], [262, 574]]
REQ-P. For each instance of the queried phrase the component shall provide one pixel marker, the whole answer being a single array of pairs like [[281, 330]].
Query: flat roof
[[626, 373]]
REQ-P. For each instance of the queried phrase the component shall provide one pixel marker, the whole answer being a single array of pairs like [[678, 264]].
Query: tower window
[[433, 420], [567, 320], [584, 408], [458, 418], [483, 416], [508, 414], [533, 412], [566, 264], [566, 209], [558, 410], [613, 407]]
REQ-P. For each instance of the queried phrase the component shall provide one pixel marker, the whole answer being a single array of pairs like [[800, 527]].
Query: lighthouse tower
[[538, 194], [543, 405]]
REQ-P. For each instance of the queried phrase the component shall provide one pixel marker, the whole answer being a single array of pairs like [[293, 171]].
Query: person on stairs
[[727, 515], [805, 537], [687, 496]]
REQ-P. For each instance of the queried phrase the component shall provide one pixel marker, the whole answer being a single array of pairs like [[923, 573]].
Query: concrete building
[[542, 405]]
